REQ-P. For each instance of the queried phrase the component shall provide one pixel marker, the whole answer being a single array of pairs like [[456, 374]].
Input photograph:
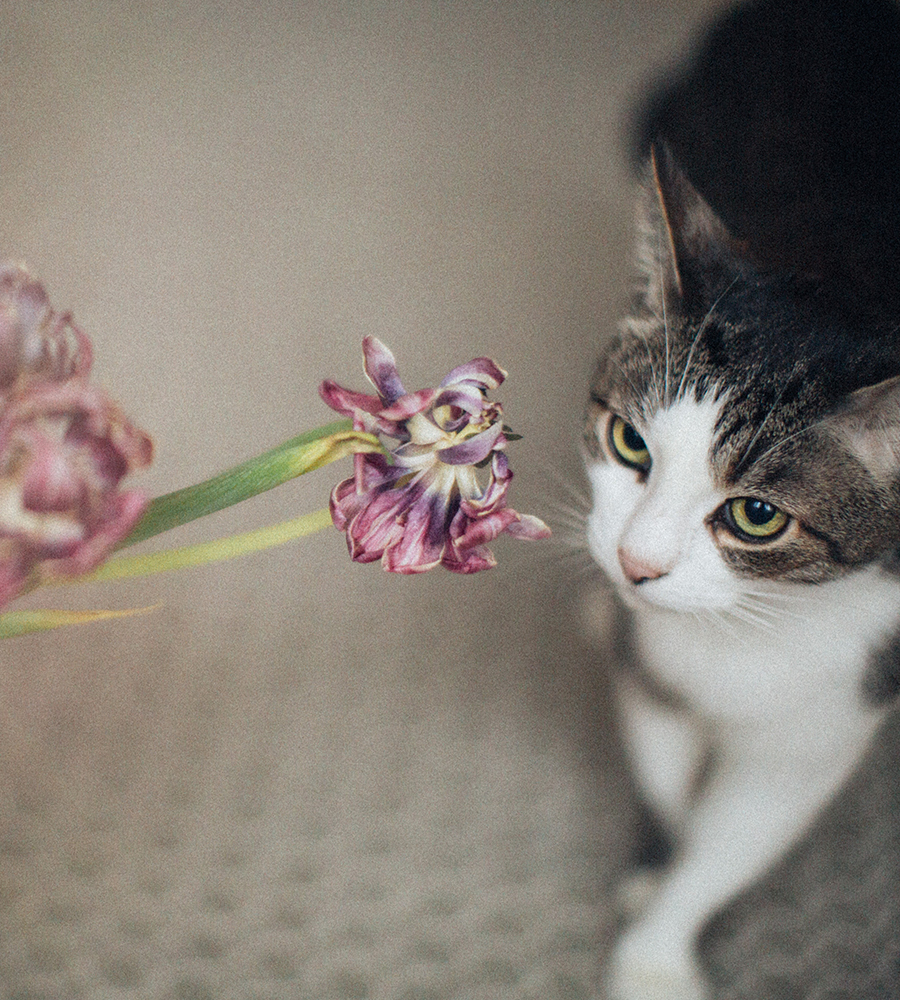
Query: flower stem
[[218, 550], [301, 454], [16, 623]]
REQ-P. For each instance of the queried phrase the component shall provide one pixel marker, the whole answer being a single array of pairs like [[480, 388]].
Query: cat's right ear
[[868, 425], [687, 254]]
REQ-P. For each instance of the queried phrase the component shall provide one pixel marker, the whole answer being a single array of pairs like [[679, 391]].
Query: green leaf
[[301, 454], [16, 623]]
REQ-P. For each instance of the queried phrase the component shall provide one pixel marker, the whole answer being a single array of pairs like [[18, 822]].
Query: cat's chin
[[661, 595]]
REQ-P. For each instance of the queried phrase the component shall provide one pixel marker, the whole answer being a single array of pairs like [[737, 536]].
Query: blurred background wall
[[299, 776]]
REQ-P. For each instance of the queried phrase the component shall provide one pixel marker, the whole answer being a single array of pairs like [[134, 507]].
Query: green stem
[[217, 550], [301, 454], [16, 623]]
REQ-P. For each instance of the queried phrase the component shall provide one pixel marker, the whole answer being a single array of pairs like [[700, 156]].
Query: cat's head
[[742, 433]]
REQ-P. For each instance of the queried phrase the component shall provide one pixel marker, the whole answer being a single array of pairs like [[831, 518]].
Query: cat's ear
[[688, 255], [868, 425]]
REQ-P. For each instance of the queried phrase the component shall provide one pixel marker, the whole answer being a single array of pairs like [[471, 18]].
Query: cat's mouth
[[651, 593], [667, 592]]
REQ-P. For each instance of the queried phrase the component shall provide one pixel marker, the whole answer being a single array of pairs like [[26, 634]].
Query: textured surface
[[299, 777]]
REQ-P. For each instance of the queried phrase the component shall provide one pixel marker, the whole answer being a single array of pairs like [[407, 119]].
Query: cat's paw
[[646, 968]]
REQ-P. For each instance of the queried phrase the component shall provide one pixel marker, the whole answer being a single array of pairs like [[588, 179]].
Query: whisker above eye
[[707, 319], [665, 318], [745, 454]]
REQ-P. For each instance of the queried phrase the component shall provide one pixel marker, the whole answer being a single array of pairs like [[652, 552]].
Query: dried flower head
[[64, 445], [424, 507]]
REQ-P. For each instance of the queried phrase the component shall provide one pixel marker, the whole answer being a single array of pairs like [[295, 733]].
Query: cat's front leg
[[765, 792], [666, 748], [646, 965]]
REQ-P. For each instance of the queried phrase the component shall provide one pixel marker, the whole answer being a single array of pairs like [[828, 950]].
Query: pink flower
[[64, 446], [425, 507]]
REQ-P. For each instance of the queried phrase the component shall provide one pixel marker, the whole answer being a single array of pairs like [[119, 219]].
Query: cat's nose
[[638, 570]]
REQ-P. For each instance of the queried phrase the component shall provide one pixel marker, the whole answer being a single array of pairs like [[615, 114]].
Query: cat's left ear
[[688, 254], [868, 425]]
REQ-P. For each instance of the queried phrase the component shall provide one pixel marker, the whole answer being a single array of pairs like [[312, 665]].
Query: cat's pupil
[[759, 512], [632, 440]]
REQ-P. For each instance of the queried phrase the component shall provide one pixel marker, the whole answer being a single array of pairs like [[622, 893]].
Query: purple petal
[[481, 371], [473, 450], [494, 497], [466, 397], [381, 370], [120, 516], [408, 405], [347, 401], [470, 561], [372, 475], [340, 500], [367, 411], [421, 545], [35, 341], [375, 526], [480, 530], [379, 522], [528, 527]]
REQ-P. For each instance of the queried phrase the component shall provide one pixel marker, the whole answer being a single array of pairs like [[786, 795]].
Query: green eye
[[756, 520], [627, 445]]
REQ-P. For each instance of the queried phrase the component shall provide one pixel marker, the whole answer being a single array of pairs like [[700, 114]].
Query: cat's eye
[[754, 520], [627, 445]]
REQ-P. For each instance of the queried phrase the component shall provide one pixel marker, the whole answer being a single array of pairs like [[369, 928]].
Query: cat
[[743, 449]]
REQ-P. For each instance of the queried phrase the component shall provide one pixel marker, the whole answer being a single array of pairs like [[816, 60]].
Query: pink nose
[[637, 570]]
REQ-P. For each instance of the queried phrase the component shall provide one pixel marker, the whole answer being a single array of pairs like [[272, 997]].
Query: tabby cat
[[743, 447]]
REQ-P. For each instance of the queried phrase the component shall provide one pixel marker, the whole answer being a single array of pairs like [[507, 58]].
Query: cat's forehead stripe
[[771, 398]]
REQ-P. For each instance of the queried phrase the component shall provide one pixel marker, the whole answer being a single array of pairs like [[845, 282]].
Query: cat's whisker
[[768, 616], [781, 604], [752, 616], [719, 619], [707, 319], [576, 501], [568, 539], [654, 375], [562, 522], [745, 454], [575, 565], [665, 318], [806, 594], [568, 515]]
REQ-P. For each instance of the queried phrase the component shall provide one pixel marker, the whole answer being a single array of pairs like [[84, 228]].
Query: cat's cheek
[[615, 493]]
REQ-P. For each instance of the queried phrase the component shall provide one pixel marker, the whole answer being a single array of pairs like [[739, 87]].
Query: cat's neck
[[813, 649]]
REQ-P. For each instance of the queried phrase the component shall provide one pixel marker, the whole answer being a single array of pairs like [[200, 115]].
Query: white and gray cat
[[743, 445]]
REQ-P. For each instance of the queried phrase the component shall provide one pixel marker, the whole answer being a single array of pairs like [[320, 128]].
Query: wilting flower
[[425, 507], [64, 445]]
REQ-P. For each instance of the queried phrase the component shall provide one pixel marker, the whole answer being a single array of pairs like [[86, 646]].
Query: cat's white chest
[[782, 708], [808, 657]]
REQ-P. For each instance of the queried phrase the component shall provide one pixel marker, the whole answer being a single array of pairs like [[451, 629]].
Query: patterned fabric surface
[[265, 835]]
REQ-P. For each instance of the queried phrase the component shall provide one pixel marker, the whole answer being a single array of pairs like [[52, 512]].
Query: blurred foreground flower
[[425, 507], [64, 446]]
